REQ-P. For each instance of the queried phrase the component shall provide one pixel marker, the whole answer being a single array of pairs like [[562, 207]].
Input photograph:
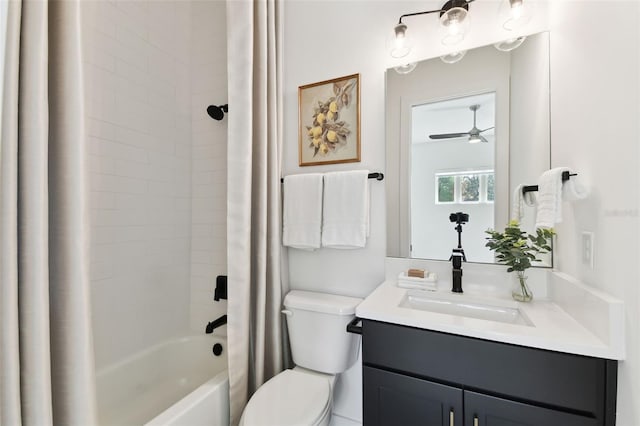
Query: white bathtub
[[179, 382]]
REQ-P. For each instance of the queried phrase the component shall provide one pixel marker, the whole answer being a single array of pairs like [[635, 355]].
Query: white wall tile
[[140, 184]]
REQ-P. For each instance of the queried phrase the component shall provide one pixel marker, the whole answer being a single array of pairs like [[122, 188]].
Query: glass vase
[[520, 290]]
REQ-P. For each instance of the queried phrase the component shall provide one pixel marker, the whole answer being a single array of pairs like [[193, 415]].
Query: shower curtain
[[255, 335], [46, 355]]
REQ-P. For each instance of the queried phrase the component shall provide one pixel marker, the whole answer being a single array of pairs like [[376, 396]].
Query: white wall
[[594, 130], [594, 95], [209, 175]]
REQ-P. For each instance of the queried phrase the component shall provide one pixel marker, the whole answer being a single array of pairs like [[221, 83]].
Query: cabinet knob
[[451, 418], [476, 422]]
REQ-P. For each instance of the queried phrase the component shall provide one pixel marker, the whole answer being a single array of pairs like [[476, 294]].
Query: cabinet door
[[483, 410], [391, 399]]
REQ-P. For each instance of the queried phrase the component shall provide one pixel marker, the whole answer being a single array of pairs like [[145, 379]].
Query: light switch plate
[[587, 248]]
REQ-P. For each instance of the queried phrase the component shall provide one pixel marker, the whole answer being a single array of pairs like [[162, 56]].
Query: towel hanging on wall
[[302, 211], [553, 189], [345, 223], [520, 200]]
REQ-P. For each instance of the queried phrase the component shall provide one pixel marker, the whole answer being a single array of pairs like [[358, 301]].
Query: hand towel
[[345, 222], [302, 211], [521, 199], [550, 198]]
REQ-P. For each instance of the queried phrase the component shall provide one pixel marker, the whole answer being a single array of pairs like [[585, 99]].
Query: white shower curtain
[[255, 333], [46, 352]]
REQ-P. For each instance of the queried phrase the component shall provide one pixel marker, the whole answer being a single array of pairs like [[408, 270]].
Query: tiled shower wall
[[138, 90], [209, 86]]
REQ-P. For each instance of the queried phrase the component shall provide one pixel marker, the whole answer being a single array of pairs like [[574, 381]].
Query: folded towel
[[521, 199], [429, 282], [345, 221], [302, 211]]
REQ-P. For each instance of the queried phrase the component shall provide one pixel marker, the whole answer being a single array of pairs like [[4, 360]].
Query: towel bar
[[531, 188], [375, 175]]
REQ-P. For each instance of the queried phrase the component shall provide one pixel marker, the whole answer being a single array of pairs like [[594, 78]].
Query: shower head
[[217, 112]]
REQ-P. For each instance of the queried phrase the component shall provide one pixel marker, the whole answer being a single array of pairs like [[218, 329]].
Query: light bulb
[[400, 45], [516, 13], [516, 9], [454, 22]]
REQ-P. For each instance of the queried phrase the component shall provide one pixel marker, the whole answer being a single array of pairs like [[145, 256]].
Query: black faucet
[[215, 324], [457, 257]]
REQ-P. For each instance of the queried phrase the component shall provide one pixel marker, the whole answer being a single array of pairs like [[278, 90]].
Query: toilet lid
[[291, 398]]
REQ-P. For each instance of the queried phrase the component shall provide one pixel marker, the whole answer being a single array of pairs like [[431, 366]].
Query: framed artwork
[[329, 121]]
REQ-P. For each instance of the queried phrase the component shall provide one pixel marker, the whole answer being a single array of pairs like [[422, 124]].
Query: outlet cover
[[587, 248]]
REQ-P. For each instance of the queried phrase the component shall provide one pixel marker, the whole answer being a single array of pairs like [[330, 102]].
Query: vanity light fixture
[[454, 22]]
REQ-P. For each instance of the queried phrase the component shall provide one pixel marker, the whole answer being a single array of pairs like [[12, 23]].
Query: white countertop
[[553, 327]]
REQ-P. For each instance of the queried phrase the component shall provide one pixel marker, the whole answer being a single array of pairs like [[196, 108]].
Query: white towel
[[345, 223], [521, 199], [302, 211], [551, 192]]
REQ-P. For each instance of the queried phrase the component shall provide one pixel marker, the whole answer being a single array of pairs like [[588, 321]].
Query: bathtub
[[178, 382]]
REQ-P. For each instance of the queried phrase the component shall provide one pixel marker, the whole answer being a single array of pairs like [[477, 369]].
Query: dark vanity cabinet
[[419, 377]]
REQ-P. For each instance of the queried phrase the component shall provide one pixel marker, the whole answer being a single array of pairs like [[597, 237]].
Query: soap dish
[[429, 282]]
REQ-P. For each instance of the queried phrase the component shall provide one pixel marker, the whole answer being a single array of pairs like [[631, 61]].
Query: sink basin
[[464, 305]]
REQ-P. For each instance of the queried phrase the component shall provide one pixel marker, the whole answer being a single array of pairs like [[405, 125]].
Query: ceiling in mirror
[[460, 137]]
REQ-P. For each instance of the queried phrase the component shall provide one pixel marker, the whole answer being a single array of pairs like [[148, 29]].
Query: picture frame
[[329, 121]]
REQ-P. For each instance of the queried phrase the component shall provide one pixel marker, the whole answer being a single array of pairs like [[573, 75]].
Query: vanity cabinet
[[420, 377]]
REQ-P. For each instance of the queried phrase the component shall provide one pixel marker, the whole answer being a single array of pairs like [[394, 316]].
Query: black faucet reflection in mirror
[[458, 256], [221, 288], [215, 324]]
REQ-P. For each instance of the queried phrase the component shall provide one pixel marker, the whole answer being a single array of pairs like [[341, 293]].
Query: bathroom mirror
[[460, 138]]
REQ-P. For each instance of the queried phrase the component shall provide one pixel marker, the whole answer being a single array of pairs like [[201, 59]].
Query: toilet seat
[[292, 398]]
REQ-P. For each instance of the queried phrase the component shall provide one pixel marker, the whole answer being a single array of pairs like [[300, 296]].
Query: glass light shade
[[406, 68], [400, 43], [452, 58], [516, 13], [474, 139], [454, 24], [509, 45]]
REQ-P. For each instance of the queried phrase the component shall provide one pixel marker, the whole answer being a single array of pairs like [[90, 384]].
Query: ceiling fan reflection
[[475, 134]]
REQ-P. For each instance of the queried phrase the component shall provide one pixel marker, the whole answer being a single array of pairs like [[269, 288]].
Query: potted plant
[[517, 249]]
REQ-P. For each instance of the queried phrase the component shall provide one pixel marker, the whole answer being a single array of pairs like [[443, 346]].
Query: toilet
[[321, 348]]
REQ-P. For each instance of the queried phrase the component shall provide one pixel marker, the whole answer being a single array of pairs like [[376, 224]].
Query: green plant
[[517, 249]]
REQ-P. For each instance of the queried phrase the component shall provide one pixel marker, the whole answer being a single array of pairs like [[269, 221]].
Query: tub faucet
[[215, 324]]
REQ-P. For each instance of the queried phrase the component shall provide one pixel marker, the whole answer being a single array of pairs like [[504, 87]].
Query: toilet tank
[[317, 324]]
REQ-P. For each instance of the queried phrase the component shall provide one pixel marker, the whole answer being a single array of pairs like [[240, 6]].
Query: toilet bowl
[[321, 348], [294, 397]]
